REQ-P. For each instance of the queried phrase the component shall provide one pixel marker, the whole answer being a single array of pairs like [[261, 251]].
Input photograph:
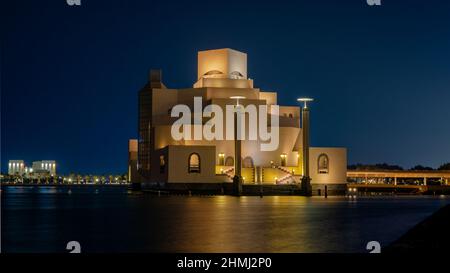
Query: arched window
[[290, 115], [213, 74], [247, 162], [229, 161], [323, 164], [194, 163], [236, 75]]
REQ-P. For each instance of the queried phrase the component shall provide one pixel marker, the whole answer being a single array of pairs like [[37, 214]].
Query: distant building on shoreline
[[39, 169], [16, 167]]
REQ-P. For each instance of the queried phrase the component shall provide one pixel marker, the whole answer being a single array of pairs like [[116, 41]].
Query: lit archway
[[323, 164], [194, 163], [247, 162], [229, 161]]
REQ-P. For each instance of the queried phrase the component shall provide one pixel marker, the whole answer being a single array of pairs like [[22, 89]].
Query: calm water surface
[[112, 219]]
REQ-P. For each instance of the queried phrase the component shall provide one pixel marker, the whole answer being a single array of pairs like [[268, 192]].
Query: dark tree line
[[371, 167], [385, 166]]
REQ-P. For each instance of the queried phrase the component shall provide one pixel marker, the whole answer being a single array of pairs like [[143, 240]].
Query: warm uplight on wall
[[237, 98], [221, 159], [283, 159]]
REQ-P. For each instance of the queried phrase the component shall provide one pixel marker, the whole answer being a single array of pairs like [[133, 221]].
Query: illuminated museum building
[[155, 157]]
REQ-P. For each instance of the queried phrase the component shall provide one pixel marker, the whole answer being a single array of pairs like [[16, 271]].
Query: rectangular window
[[162, 164]]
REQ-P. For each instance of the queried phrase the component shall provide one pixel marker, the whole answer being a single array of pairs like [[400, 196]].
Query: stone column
[[258, 175], [306, 180], [237, 179]]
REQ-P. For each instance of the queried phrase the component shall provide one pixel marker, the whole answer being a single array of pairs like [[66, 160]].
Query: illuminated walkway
[[399, 177]]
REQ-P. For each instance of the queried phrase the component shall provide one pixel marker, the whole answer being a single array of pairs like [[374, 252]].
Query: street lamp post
[[237, 179], [306, 179]]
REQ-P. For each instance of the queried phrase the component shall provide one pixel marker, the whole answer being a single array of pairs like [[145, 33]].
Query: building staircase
[[288, 178], [229, 173]]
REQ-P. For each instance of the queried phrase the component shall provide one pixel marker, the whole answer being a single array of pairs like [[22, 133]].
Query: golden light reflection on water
[[245, 224], [114, 221], [279, 223]]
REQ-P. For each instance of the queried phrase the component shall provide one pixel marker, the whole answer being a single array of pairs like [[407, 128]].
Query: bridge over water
[[399, 181], [399, 177]]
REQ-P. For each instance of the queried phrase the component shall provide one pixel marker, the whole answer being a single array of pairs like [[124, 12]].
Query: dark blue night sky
[[70, 75]]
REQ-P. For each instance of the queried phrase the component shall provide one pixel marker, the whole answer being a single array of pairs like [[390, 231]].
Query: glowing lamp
[[237, 98], [305, 101]]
